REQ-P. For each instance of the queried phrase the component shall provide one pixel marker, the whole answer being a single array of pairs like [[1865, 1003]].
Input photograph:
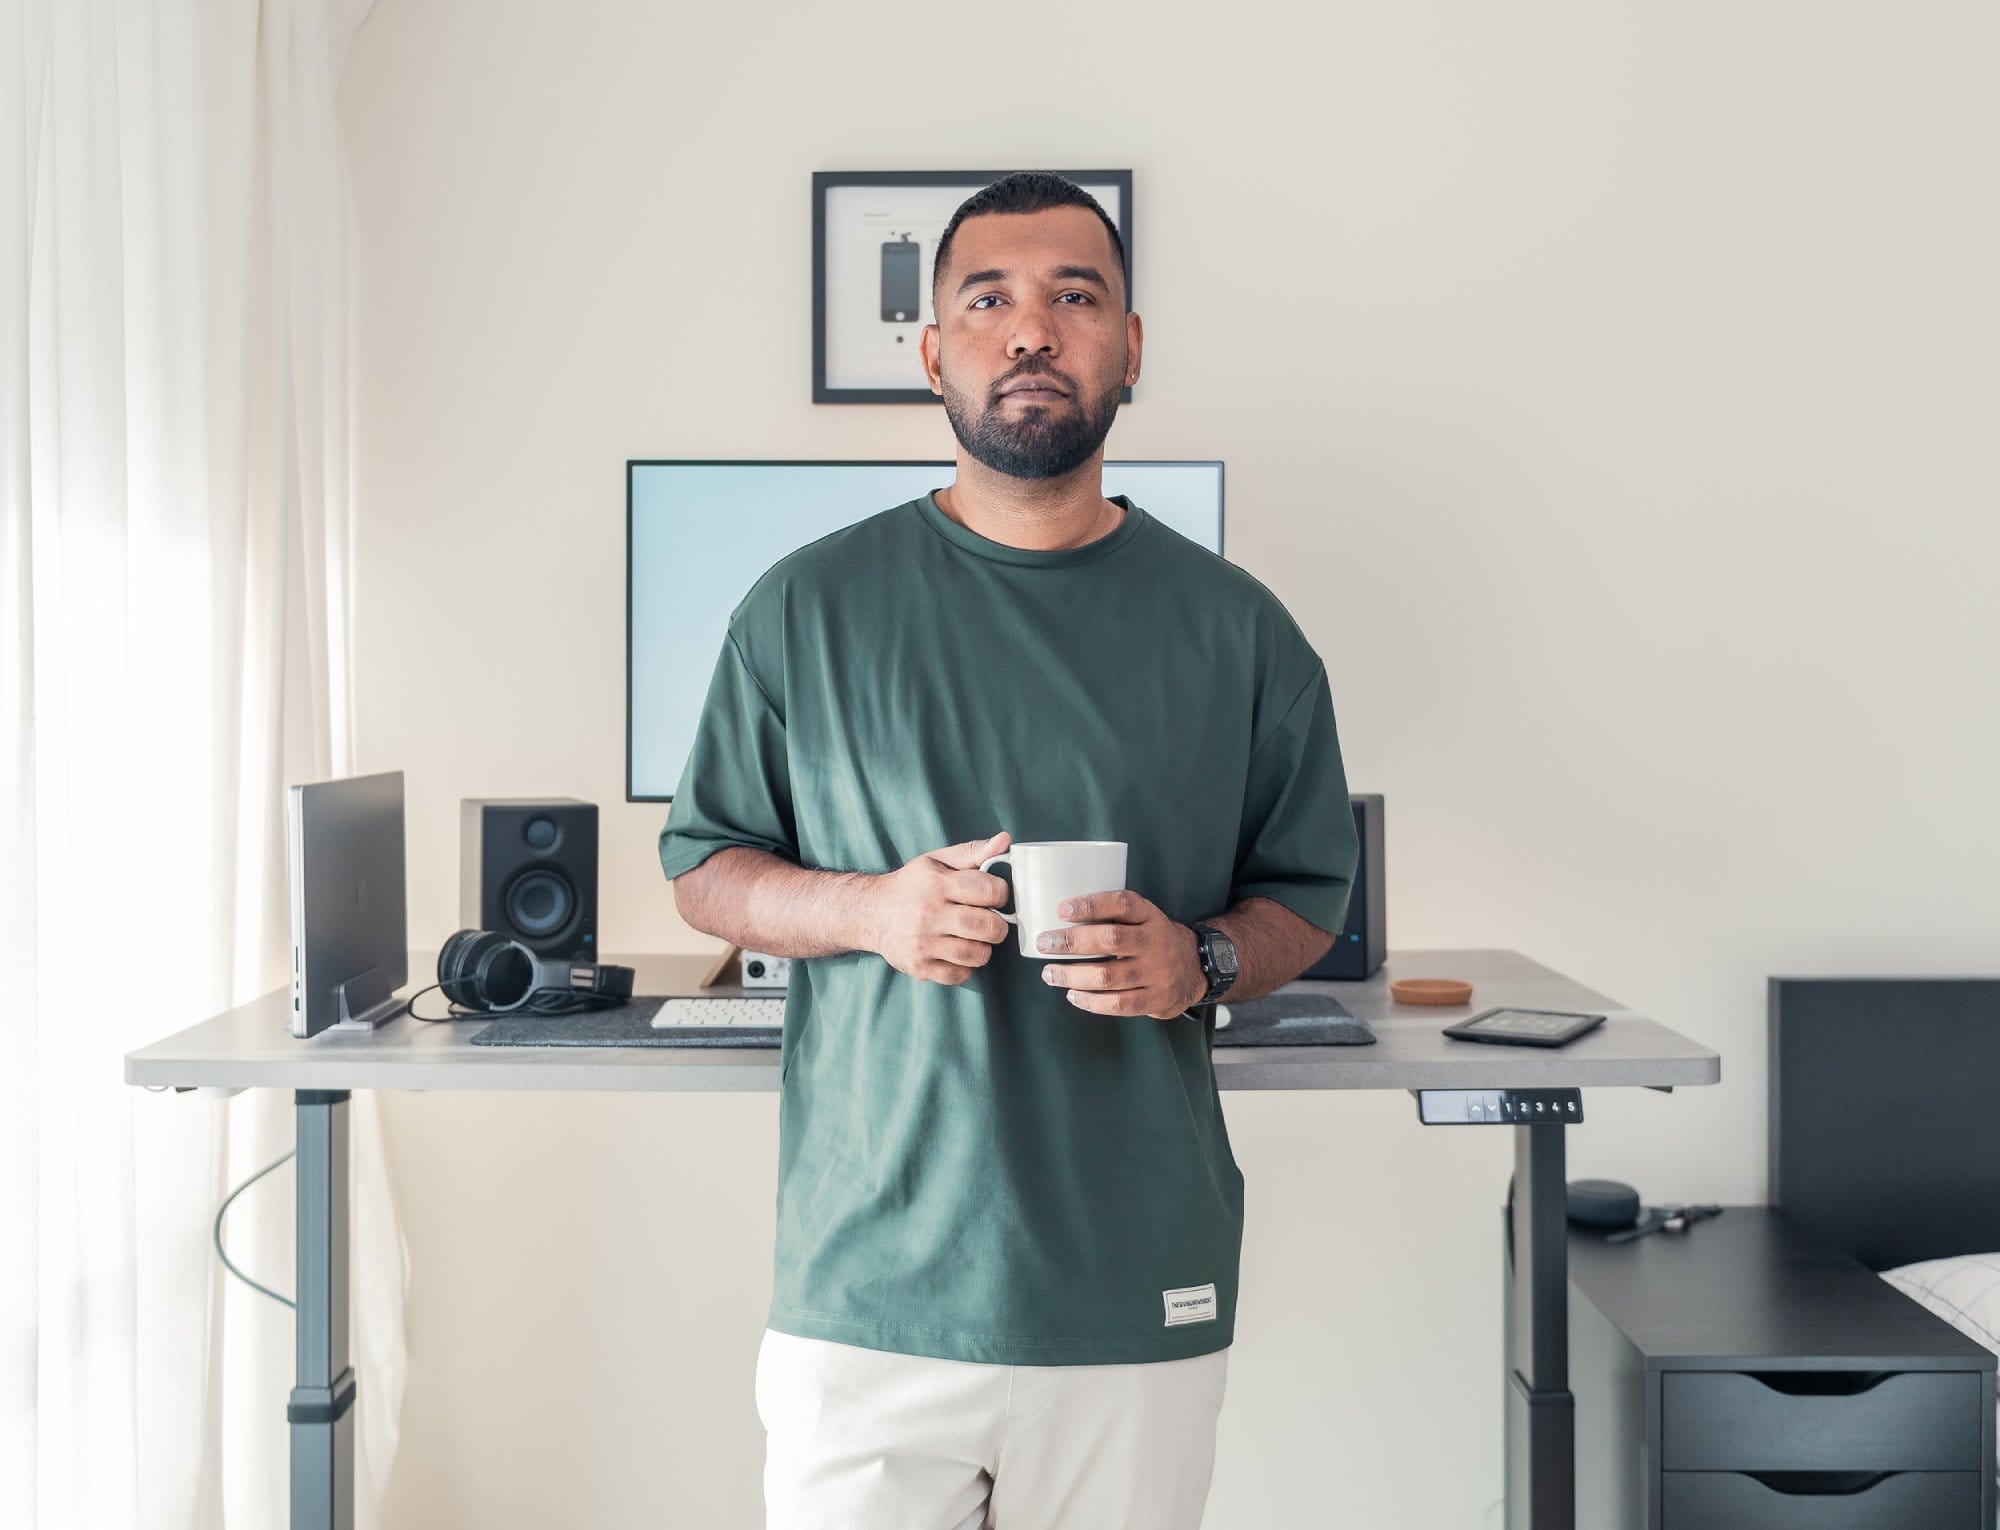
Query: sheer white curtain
[[174, 601]]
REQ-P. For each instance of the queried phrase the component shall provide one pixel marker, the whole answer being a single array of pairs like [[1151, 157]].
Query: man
[[1008, 1219]]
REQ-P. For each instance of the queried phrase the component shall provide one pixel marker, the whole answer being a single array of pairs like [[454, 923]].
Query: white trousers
[[862, 1439]]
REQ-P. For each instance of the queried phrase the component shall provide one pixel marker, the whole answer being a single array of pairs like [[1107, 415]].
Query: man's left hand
[[1153, 968]]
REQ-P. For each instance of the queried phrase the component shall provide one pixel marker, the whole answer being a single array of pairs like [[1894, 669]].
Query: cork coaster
[[1430, 991]]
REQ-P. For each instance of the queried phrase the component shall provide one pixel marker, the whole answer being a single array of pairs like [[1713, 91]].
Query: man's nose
[[1032, 332]]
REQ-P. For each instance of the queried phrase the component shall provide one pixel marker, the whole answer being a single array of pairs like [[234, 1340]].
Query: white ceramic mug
[[1046, 871]]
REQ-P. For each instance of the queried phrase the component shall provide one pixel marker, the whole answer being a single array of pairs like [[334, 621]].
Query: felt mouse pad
[[629, 1025], [1292, 1020]]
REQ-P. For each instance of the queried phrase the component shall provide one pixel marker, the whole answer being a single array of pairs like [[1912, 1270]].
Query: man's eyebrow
[[1081, 274], [1060, 273]]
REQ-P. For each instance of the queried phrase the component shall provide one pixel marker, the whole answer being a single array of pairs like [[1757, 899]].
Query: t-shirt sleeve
[[736, 788], [1298, 844]]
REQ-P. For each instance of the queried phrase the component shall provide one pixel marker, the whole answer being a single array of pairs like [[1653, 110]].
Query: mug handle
[[995, 860]]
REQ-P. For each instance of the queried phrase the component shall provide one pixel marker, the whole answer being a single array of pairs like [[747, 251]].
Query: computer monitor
[[698, 534]]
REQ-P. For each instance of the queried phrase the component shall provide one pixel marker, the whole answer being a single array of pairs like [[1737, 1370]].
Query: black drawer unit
[[1819, 1421], [1743, 1376], [1895, 1501]]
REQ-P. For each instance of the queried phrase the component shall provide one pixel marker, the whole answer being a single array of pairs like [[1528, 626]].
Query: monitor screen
[[699, 534]]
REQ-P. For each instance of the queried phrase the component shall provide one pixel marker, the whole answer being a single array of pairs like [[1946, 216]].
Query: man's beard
[[1038, 440]]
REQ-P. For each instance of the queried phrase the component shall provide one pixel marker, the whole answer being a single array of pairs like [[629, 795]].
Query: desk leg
[[321, 1411], [1541, 1413]]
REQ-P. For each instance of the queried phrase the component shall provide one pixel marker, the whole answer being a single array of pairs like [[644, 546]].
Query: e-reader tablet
[[1525, 1027]]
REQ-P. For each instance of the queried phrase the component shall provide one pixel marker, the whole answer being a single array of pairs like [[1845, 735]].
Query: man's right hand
[[934, 917]]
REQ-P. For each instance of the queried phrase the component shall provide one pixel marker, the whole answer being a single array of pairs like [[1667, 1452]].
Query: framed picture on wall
[[875, 235]]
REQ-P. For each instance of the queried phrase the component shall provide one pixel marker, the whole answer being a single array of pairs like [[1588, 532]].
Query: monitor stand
[[366, 1000]]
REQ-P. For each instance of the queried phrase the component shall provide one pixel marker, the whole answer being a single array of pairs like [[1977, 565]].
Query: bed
[[1885, 1131]]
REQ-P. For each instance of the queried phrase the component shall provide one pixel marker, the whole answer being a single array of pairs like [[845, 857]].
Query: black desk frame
[[1540, 1417], [1541, 1411], [321, 1410]]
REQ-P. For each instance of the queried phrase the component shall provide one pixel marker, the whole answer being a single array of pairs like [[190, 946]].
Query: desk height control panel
[[1499, 1107]]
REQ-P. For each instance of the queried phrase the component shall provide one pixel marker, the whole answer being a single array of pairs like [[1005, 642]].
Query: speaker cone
[[540, 902]]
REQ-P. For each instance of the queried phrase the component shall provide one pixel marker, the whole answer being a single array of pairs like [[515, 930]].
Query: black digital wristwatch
[[1218, 960]]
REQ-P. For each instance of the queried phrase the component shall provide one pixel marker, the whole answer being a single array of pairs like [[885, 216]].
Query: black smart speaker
[[1603, 1203], [529, 872], [1360, 948]]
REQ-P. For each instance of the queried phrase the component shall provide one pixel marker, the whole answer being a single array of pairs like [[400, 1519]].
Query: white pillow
[[1964, 1291]]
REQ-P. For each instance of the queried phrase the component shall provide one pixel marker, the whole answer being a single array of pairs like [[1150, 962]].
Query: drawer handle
[[1821, 1383], [1820, 1484]]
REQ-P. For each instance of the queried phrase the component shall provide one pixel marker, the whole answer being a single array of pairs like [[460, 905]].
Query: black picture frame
[[958, 184]]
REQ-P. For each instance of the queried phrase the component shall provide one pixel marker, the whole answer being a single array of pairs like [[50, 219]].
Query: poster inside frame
[[875, 234]]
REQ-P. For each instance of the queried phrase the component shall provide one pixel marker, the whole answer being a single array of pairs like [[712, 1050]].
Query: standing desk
[[251, 1047]]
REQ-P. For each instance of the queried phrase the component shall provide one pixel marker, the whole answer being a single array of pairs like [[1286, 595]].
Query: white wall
[[1602, 387]]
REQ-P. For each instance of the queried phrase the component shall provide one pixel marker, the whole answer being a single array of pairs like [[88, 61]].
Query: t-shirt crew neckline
[[1033, 557]]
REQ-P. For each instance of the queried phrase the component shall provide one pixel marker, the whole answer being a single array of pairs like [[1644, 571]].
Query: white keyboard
[[719, 1013]]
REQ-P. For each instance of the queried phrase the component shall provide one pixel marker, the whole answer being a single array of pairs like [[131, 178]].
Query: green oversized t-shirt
[[984, 1171]]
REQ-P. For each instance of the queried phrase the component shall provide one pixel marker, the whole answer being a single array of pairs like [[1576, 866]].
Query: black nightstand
[[1744, 1376]]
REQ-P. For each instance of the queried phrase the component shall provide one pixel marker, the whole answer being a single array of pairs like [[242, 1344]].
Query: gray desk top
[[252, 1047]]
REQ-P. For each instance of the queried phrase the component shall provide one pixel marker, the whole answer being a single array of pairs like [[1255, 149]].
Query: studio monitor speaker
[[529, 871], [1361, 947]]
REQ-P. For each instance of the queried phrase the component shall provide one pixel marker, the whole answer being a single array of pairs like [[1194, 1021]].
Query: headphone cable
[[550, 1003]]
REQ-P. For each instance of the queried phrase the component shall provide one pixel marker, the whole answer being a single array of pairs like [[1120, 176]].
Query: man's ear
[[927, 346], [1135, 341]]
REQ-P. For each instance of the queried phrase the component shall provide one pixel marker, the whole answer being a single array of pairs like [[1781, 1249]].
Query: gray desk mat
[[629, 1025], [1292, 1020], [1277, 1020]]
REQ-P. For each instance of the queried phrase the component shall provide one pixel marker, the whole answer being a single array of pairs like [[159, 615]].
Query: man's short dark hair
[[1029, 191]]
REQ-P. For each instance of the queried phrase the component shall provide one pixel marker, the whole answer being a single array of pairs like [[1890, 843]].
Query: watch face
[[1218, 953], [1224, 951]]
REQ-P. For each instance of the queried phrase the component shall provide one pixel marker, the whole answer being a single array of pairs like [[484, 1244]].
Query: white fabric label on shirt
[[1190, 1304]]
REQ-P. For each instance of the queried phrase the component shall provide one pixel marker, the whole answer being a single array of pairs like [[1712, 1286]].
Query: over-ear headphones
[[483, 971]]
